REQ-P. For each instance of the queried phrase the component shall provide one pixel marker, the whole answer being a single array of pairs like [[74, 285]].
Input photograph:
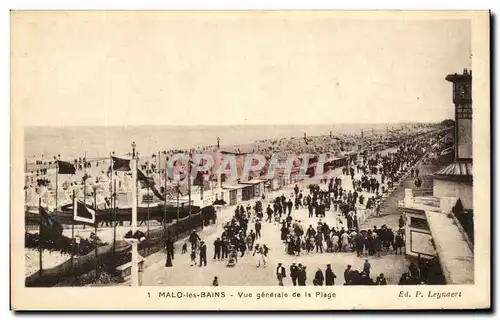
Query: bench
[[125, 270]]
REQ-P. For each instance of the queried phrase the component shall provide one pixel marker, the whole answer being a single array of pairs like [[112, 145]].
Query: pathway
[[246, 273]]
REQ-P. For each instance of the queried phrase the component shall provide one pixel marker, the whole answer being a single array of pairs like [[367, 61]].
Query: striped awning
[[456, 169]]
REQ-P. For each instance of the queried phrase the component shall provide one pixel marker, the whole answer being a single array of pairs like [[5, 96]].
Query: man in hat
[[217, 248], [203, 253], [257, 227], [194, 238], [302, 275], [347, 273], [280, 274], [318, 278], [329, 276], [366, 267], [294, 273]]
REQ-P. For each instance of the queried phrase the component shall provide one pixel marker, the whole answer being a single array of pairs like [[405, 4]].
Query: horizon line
[[234, 125]]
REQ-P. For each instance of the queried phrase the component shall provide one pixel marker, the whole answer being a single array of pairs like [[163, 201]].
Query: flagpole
[[112, 187], [26, 171], [135, 269], [147, 225], [159, 163], [177, 221], [114, 217], [201, 197], [57, 183], [165, 206], [85, 181], [26, 179], [202, 186], [85, 178], [73, 235], [189, 185], [158, 167], [211, 185], [95, 231], [40, 250]]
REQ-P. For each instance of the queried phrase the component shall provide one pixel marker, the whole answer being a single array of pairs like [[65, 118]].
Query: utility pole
[[135, 267]]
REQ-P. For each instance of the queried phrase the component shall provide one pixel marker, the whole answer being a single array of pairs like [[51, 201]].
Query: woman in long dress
[[258, 254], [345, 241], [264, 254], [284, 233]]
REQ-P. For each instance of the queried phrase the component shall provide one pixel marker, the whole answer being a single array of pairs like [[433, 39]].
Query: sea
[[99, 142]]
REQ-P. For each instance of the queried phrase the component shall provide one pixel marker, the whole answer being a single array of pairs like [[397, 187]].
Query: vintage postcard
[[204, 160]]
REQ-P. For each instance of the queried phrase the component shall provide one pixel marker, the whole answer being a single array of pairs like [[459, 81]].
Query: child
[[193, 257], [215, 283], [184, 248]]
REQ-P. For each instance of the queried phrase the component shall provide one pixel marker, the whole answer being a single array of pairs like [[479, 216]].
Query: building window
[[419, 223]]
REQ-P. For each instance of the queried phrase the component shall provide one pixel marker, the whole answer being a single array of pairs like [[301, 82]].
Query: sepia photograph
[[204, 157]]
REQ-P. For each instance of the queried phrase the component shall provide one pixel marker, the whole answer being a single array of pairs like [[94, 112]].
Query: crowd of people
[[423, 271], [371, 177], [331, 240], [323, 238], [235, 240], [298, 275]]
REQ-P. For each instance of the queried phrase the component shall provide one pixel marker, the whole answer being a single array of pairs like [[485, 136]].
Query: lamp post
[[134, 242], [95, 231], [169, 247]]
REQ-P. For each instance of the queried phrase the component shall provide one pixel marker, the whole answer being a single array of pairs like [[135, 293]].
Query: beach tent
[[103, 178], [31, 196]]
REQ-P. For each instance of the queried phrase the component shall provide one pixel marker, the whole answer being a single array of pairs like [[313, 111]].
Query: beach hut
[[235, 193], [247, 192], [260, 187], [252, 188]]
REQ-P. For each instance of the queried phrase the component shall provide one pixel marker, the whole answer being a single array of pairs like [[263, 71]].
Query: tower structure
[[455, 180], [462, 98]]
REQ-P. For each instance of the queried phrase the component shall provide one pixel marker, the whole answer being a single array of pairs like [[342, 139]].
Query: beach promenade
[[246, 273], [181, 274]]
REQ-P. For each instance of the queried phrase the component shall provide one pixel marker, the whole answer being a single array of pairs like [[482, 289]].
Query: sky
[[164, 68]]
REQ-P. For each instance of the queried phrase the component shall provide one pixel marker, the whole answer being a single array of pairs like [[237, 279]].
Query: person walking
[[329, 276], [302, 275], [289, 205], [366, 267], [319, 242], [294, 273], [280, 273], [398, 243], [217, 248], [269, 212], [258, 227], [203, 253], [194, 238], [318, 278], [347, 273], [310, 209]]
